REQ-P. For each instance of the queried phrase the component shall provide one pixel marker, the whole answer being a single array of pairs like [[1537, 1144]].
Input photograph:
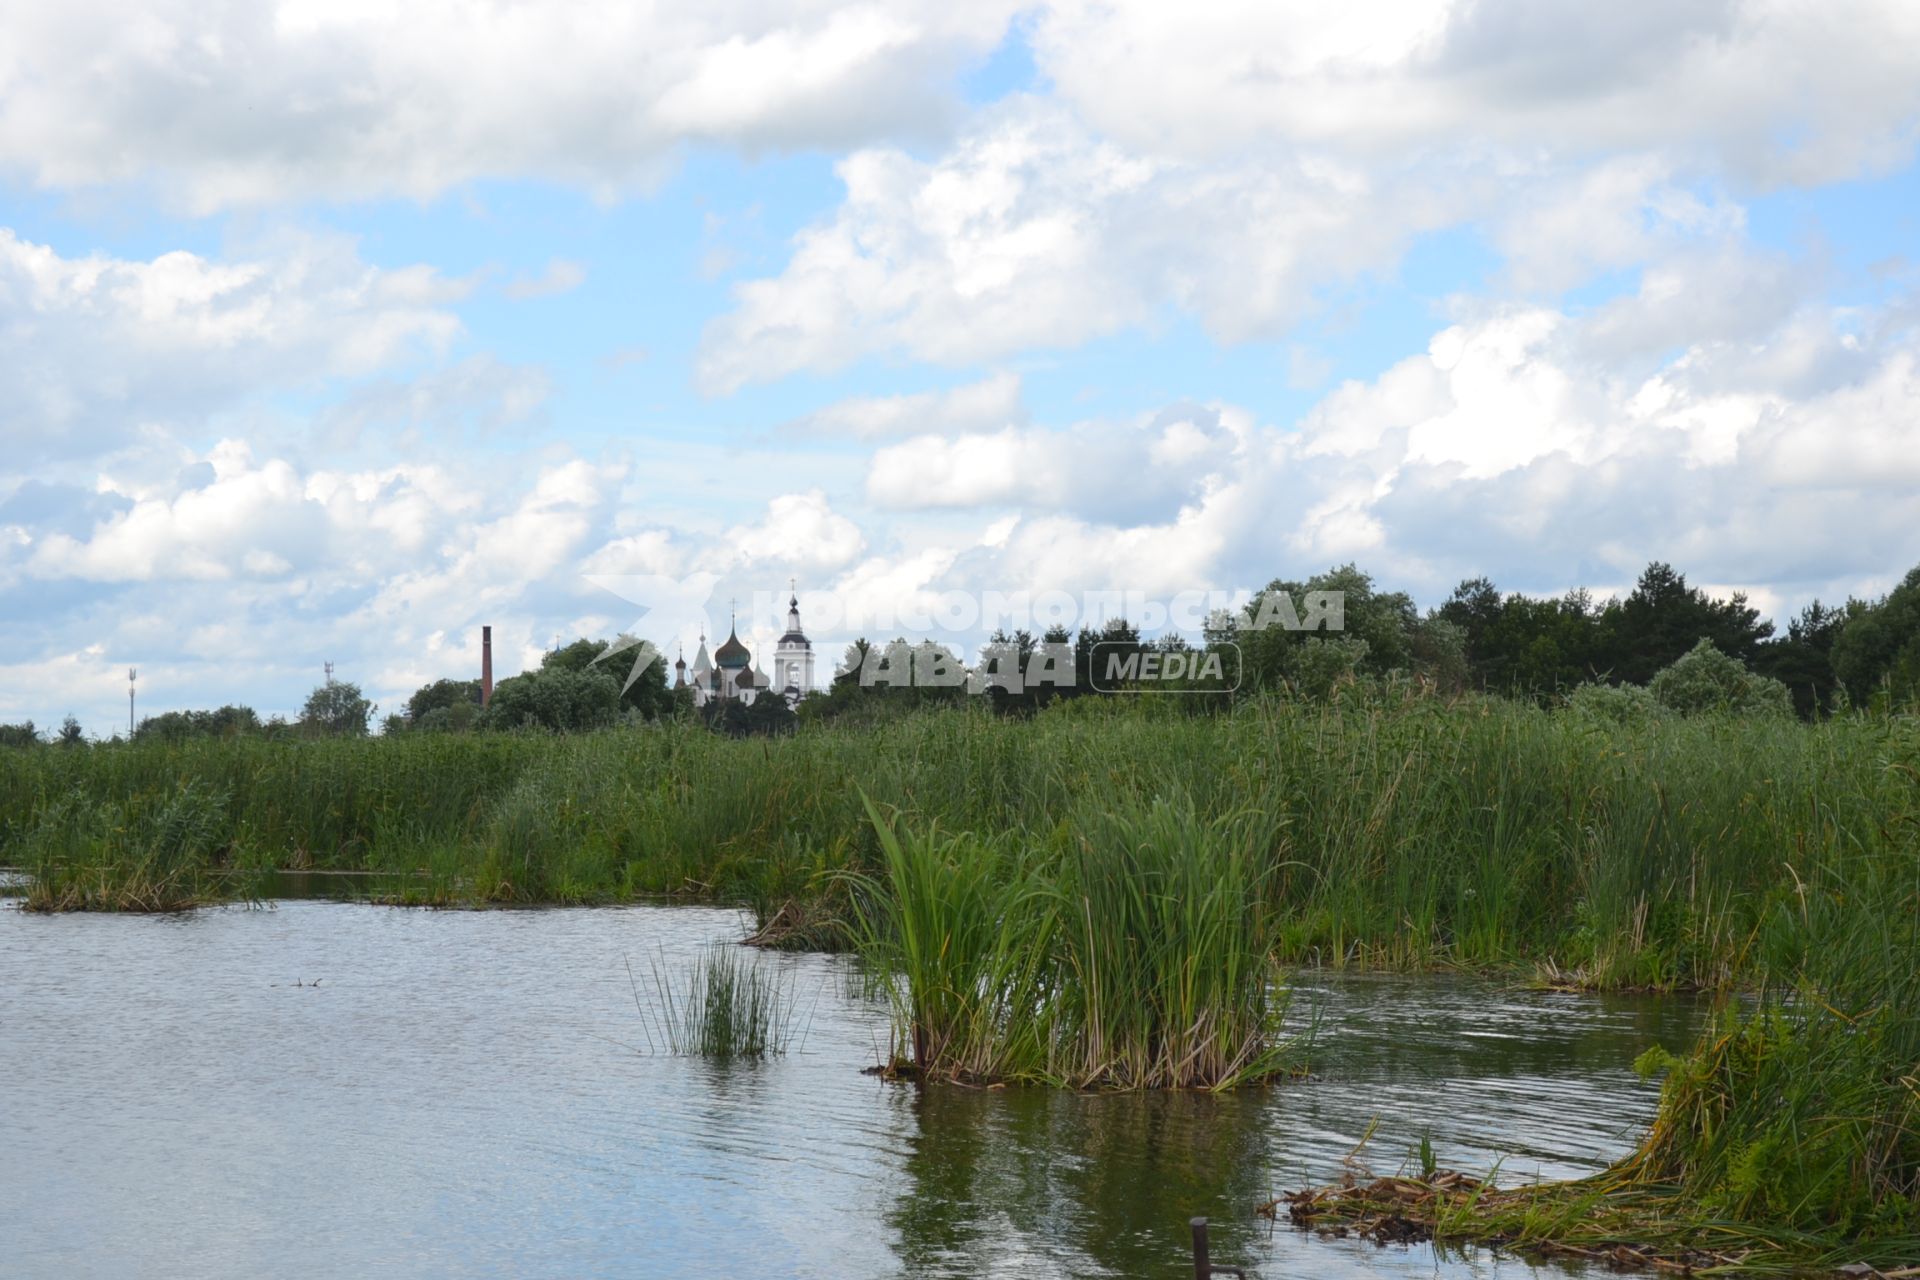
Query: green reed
[[1381, 829], [1135, 953], [727, 1004]]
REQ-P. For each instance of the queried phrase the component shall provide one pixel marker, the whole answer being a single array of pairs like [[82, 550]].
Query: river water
[[331, 1089]]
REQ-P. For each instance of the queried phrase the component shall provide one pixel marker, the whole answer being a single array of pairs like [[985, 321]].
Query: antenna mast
[[132, 675]]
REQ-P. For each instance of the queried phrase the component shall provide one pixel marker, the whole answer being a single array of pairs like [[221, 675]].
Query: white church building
[[731, 672]]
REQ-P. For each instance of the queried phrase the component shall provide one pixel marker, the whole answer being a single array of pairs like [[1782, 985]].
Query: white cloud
[[1127, 472], [1521, 444], [1239, 162], [101, 350], [799, 530], [993, 401], [1774, 90], [1034, 233], [236, 103]]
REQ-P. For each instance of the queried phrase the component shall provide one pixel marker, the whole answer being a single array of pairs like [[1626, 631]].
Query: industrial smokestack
[[486, 665]]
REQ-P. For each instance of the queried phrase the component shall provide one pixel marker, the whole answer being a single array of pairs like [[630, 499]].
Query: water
[[470, 1094]]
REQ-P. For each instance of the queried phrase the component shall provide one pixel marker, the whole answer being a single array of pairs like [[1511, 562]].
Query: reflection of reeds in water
[[726, 1004]]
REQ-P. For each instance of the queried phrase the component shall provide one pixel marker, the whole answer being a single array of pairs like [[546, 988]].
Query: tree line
[[1664, 645]]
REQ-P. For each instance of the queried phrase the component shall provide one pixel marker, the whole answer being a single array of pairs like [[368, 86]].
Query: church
[[731, 674]]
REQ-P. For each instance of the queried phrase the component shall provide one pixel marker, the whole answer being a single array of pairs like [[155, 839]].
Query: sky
[[331, 332]]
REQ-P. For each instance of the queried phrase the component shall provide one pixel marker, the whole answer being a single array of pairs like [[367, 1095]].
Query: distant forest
[[1665, 646]]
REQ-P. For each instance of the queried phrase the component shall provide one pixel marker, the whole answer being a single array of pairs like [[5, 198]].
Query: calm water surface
[[470, 1094]]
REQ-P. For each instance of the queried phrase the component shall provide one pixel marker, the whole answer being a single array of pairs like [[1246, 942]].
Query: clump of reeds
[[725, 1005], [1788, 1138], [152, 852], [1132, 953]]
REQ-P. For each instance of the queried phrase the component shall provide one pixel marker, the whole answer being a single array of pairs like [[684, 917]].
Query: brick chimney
[[486, 665]]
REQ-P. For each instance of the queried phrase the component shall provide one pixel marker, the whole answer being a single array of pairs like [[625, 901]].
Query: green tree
[[1704, 679], [19, 735], [1664, 618], [444, 695], [336, 709], [178, 726], [1523, 646], [1876, 656], [1379, 632], [647, 693], [71, 734], [560, 699], [1803, 658]]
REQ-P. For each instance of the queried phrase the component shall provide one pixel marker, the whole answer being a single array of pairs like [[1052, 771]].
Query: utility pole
[[132, 675]]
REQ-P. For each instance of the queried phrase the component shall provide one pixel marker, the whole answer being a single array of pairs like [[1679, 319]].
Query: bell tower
[[793, 655]]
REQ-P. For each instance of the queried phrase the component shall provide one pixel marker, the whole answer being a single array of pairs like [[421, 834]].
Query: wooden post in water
[[1203, 1268]]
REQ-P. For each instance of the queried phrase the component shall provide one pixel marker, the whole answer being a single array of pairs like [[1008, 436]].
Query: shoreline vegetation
[[1391, 828], [1005, 869], [1787, 1139]]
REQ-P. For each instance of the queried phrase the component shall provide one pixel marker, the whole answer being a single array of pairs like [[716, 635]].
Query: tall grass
[[1804, 1113], [150, 852], [1787, 1138], [1134, 954], [1390, 831]]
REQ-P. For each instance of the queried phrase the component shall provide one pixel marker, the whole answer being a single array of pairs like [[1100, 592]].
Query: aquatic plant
[[1787, 1138], [725, 1005], [1134, 954], [1391, 829], [148, 853]]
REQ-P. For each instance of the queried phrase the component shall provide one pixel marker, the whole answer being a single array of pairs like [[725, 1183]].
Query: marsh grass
[[1132, 954], [726, 1005], [153, 852], [1787, 1138], [1386, 830]]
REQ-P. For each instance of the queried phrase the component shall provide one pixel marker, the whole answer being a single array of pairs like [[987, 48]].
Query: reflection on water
[[469, 1093]]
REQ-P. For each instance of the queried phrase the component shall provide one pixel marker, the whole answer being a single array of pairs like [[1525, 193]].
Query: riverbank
[[1757, 854], [1400, 832]]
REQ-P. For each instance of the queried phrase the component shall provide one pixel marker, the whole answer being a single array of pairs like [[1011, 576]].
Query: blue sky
[[333, 335]]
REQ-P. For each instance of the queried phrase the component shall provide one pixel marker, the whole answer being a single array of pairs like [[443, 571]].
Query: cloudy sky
[[330, 331]]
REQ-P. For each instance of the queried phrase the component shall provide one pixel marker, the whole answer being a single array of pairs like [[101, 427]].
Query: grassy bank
[[1094, 897], [1401, 832], [1787, 1139]]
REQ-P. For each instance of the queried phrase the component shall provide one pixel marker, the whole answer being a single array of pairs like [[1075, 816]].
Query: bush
[[1616, 703], [1706, 680]]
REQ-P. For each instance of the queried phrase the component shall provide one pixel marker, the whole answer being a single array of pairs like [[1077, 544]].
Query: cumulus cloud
[[1520, 443], [1124, 473], [992, 402], [1773, 90], [1034, 233], [246, 571], [237, 103], [100, 350], [798, 529], [1240, 163]]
